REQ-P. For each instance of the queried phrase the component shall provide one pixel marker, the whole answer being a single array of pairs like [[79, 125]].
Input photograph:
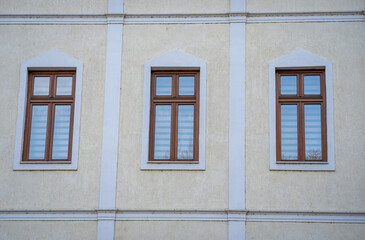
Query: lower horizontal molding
[[182, 215]]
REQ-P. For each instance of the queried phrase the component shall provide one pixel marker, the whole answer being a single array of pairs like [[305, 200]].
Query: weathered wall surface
[[342, 190], [175, 6], [55, 230], [52, 189], [53, 7], [304, 6], [178, 230], [303, 231], [174, 189]]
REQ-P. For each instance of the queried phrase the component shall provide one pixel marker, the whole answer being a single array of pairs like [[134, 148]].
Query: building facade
[[222, 119]]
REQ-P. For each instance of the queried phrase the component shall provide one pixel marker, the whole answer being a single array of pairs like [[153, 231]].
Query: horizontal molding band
[[182, 215], [102, 19]]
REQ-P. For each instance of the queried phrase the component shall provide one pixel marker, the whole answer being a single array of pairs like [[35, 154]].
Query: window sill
[[301, 162], [302, 166], [45, 162], [173, 162], [45, 166]]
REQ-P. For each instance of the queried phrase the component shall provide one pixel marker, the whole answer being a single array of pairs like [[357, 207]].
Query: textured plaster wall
[[303, 231], [53, 7], [176, 6], [208, 189], [52, 189], [177, 230], [55, 230], [302, 6], [342, 190]]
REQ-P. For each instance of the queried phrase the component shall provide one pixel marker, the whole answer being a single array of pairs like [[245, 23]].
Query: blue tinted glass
[[185, 132], [163, 85], [61, 132], [312, 85], [289, 132], [64, 86], [41, 86], [162, 132], [288, 85], [186, 85], [38, 132], [312, 124]]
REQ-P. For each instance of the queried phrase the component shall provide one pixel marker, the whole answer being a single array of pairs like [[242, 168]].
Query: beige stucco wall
[[175, 6], [52, 189], [53, 7], [302, 6], [138, 189], [342, 190], [51, 230], [177, 230], [303, 231]]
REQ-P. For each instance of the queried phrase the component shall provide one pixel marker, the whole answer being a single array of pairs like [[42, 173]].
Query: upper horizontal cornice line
[[181, 18]]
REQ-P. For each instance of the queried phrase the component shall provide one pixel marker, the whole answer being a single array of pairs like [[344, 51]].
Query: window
[[51, 61], [301, 116], [301, 113], [174, 128], [174, 64], [49, 117]]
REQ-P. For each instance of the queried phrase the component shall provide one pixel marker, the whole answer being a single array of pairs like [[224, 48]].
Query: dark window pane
[[289, 132], [38, 132], [185, 132], [163, 86], [162, 132], [313, 141], [186, 85], [312, 85], [61, 132], [288, 85]]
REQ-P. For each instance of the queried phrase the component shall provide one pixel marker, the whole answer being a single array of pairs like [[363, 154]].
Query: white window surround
[[51, 60], [302, 60], [175, 60]]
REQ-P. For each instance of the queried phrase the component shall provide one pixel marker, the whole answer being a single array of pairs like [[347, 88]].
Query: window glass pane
[[41, 86], [38, 132], [185, 132], [312, 123], [163, 85], [289, 132], [288, 85], [186, 85], [162, 132], [64, 86], [61, 131], [312, 85]]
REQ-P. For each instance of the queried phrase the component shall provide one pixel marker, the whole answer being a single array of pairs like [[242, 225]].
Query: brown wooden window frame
[[51, 100], [300, 100], [174, 100]]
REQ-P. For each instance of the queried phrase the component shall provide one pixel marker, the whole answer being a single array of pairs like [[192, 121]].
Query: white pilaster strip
[[109, 158], [236, 189]]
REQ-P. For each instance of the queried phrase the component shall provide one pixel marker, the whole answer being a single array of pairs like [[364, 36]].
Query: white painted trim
[[237, 117], [218, 18], [115, 6], [302, 59], [51, 60], [182, 215], [236, 230], [109, 160], [237, 6], [173, 60]]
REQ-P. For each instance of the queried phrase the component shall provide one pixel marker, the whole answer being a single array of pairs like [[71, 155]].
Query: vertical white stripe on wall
[[109, 158], [236, 229]]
